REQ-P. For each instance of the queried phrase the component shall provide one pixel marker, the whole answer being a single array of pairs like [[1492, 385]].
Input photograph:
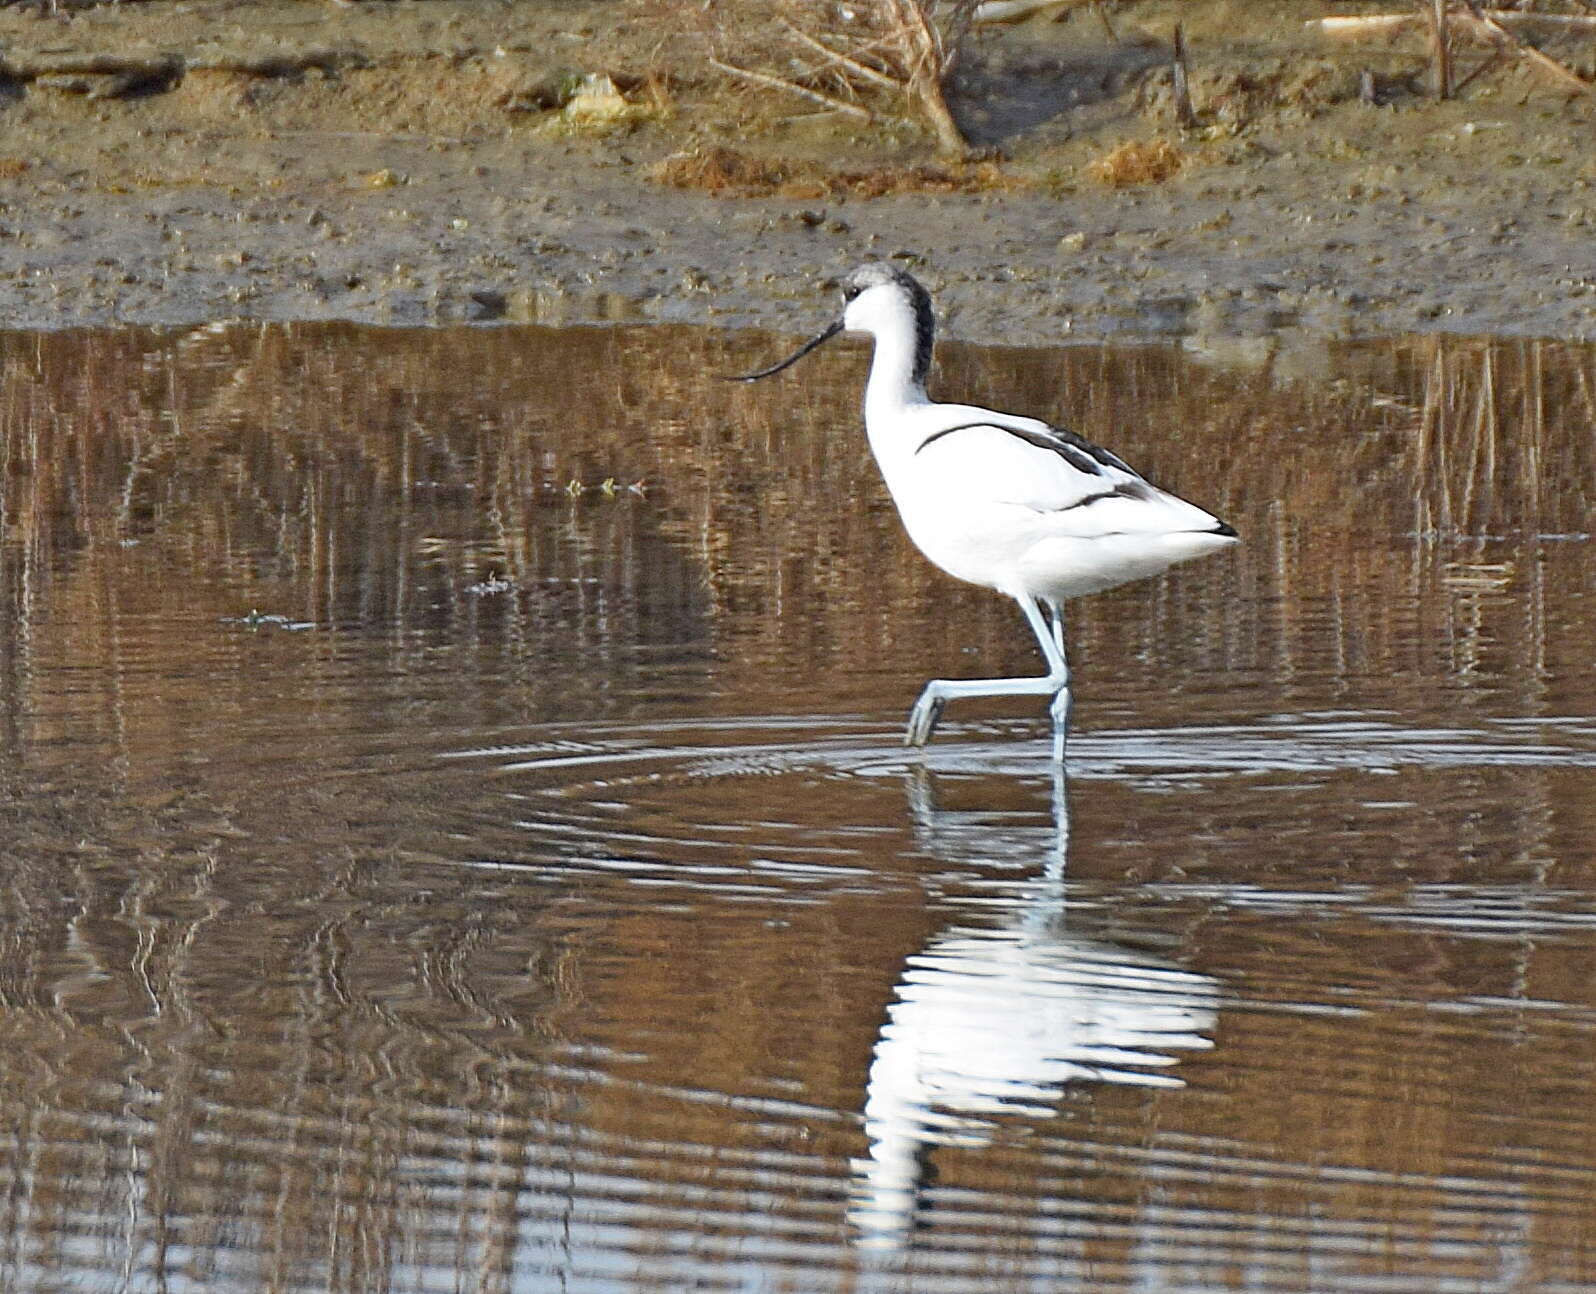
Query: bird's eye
[[850, 291]]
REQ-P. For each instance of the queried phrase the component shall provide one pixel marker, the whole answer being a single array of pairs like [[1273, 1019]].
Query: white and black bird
[[1012, 503]]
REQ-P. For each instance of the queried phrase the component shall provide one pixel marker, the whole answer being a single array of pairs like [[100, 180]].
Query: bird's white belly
[[968, 546]]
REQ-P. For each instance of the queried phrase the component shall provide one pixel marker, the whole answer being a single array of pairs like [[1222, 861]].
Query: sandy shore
[[386, 172]]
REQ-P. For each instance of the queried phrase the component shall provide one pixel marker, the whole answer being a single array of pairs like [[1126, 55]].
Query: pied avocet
[[1012, 503]]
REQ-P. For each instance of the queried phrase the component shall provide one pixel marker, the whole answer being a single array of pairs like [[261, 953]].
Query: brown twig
[[1493, 28], [776, 82], [883, 49], [863, 70]]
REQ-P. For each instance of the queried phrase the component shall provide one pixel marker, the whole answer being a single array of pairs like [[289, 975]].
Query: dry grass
[[1138, 162], [720, 170], [729, 173]]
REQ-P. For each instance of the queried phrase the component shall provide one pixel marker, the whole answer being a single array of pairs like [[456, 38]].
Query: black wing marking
[[1100, 455], [1072, 447], [1137, 489]]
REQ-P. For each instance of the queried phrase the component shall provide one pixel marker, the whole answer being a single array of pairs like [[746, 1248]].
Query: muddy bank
[[408, 163]]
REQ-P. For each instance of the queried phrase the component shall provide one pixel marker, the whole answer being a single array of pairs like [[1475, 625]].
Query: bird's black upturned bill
[[789, 361]]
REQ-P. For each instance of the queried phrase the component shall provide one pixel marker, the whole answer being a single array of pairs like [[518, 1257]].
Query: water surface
[[456, 834]]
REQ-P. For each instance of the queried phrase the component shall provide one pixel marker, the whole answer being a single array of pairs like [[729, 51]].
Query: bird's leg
[[1055, 622], [939, 691], [1062, 700]]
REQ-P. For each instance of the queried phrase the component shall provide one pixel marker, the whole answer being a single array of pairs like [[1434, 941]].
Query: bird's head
[[877, 298]]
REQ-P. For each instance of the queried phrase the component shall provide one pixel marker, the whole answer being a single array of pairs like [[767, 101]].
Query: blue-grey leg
[[939, 691], [1060, 709]]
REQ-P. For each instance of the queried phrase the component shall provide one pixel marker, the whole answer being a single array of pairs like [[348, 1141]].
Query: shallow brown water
[[422, 873]]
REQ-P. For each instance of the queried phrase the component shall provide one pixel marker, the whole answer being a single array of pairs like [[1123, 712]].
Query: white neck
[[892, 384]]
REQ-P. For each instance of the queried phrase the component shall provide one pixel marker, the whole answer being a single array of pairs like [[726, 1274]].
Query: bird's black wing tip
[[1226, 531]]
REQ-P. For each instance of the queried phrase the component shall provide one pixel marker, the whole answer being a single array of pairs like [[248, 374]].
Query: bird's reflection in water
[[993, 1022]]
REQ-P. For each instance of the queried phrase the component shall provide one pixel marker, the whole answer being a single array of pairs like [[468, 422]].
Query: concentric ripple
[[800, 792], [611, 755]]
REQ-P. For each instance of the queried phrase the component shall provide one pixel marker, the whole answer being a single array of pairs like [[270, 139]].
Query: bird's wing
[[1002, 458], [1073, 487]]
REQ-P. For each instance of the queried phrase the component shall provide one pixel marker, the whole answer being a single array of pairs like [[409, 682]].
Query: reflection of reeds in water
[[1500, 471], [380, 479], [1483, 445]]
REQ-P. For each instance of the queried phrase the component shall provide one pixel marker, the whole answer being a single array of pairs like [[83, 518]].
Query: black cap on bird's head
[[873, 274]]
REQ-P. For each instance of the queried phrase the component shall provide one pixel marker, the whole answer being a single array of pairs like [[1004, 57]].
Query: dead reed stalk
[[1441, 48]]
